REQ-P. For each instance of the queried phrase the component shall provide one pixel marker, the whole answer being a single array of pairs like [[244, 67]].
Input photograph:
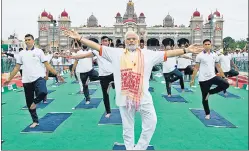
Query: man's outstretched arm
[[89, 43]]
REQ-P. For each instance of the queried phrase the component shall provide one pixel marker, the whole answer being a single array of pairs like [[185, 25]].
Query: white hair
[[131, 32]]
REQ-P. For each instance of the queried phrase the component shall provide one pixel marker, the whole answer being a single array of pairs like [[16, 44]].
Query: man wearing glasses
[[206, 62], [131, 69], [32, 60]]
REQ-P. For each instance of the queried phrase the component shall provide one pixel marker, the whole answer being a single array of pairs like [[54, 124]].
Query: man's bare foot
[[45, 102], [207, 117], [108, 115], [207, 97], [169, 95], [183, 90], [87, 102], [226, 94], [33, 106], [33, 125]]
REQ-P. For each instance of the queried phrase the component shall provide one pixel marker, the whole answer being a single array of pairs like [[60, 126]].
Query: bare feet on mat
[[45, 102], [207, 117], [108, 115], [207, 97], [87, 102], [225, 94], [169, 95], [33, 106], [33, 125]]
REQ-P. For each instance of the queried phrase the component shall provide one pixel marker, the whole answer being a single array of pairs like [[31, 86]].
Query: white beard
[[131, 47]]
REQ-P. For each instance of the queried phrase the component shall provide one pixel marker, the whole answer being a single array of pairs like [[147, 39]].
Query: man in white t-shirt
[[226, 62], [184, 63], [206, 62], [105, 74], [171, 73], [131, 69], [32, 60], [85, 68]]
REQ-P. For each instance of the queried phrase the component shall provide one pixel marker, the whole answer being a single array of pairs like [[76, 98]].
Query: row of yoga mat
[[51, 121]]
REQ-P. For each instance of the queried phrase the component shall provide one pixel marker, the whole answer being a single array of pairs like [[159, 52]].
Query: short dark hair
[[104, 37], [29, 35], [206, 40], [141, 41]]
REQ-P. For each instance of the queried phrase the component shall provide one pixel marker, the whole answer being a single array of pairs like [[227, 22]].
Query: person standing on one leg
[[131, 69], [171, 73], [85, 68], [206, 62], [105, 74], [226, 62], [32, 60]]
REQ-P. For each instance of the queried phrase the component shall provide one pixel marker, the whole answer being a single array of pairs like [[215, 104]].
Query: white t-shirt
[[169, 65], [225, 62], [151, 58], [182, 63], [32, 62], [84, 65], [56, 63], [105, 67], [207, 65]]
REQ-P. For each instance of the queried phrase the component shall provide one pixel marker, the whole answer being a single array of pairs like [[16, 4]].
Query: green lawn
[[177, 127]]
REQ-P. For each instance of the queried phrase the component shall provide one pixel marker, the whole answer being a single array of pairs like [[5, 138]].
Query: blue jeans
[[39, 88], [172, 77]]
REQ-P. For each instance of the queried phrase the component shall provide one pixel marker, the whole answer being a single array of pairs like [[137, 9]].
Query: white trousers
[[149, 121], [78, 76]]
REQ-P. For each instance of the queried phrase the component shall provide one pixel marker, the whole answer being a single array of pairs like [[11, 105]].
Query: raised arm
[[82, 56], [178, 52], [89, 43]]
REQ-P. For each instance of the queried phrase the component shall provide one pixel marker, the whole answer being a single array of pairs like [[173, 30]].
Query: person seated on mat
[[32, 60], [85, 68], [184, 63], [226, 61], [205, 62], [105, 74], [131, 69], [171, 73]]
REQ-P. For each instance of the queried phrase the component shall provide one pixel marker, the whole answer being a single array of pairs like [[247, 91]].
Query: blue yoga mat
[[122, 147], [94, 103], [180, 90], [57, 84], [229, 95], [215, 120], [75, 82], [91, 91], [41, 105], [50, 91], [175, 98], [114, 119], [48, 123], [175, 83], [151, 89]]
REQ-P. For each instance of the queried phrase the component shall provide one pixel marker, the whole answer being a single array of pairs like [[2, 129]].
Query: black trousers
[[188, 70], [105, 82], [92, 75], [172, 77], [205, 89], [70, 69], [39, 88], [231, 73]]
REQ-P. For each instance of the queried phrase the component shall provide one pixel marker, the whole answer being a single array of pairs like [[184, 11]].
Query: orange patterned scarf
[[132, 75]]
